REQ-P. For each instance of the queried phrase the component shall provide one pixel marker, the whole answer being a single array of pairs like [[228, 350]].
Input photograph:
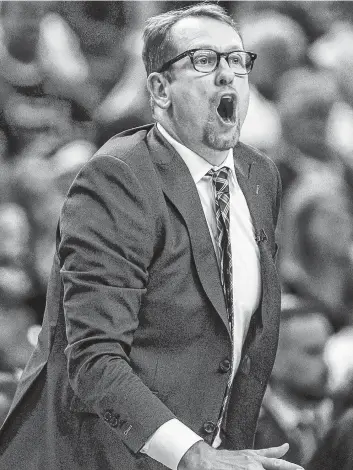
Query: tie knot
[[222, 173], [220, 179]]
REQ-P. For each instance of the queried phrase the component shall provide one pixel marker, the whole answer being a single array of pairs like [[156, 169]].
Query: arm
[[105, 249]]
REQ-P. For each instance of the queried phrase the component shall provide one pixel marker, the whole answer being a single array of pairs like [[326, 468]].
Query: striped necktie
[[222, 199]]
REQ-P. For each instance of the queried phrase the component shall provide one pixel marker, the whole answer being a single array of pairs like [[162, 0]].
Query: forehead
[[194, 32]]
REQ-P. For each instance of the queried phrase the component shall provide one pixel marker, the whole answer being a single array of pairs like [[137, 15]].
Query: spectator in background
[[14, 233], [18, 335], [16, 339], [127, 102], [305, 100], [41, 181], [281, 45], [296, 408], [22, 78], [316, 256], [339, 358], [16, 284], [45, 86], [336, 449], [333, 53], [16, 289], [315, 18]]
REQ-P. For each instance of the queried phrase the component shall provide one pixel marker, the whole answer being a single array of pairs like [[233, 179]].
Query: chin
[[219, 141]]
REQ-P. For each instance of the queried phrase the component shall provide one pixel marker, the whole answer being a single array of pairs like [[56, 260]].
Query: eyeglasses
[[207, 60]]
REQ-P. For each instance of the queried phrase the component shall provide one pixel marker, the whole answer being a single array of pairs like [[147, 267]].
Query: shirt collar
[[197, 165]]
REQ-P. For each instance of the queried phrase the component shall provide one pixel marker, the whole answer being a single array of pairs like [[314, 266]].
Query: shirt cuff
[[170, 442]]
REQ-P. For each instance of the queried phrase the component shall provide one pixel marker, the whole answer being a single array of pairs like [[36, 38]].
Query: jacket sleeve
[[106, 244]]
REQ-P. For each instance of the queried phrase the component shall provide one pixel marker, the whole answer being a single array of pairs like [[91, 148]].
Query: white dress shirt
[[170, 442]]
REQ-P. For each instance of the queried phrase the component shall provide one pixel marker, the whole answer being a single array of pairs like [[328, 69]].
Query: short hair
[[157, 42]]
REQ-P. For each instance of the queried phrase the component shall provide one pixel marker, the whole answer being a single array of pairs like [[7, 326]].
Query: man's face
[[196, 96], [307, 128], [300, 365], [330, 229]]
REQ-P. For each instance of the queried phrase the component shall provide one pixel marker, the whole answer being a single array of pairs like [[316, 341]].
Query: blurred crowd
[[71, 76]]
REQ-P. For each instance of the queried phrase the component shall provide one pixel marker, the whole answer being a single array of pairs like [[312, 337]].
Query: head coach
[[162, 313]]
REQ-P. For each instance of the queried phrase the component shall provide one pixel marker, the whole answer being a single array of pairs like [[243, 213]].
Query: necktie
[[222, 200]]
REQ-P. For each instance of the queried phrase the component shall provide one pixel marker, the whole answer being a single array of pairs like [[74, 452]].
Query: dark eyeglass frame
[[191, 53]]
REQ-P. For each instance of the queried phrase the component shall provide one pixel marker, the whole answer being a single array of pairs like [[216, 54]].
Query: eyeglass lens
[[206, 60]]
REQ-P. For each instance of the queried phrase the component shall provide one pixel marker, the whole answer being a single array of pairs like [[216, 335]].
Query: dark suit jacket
[[135, 327]]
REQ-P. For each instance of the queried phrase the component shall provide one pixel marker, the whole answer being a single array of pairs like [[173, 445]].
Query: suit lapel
[[179, 187], [250, 178], [249, 181]]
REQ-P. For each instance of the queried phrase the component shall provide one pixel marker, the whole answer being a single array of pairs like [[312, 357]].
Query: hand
[[201, 456]]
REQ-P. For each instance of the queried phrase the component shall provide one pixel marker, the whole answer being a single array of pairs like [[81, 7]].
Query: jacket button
[[209, 427], [107, 416], [114, 422], [224, 366]]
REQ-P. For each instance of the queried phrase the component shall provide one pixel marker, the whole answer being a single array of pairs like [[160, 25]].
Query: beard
[[216, 140]]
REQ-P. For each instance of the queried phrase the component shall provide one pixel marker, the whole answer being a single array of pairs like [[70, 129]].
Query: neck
[[212, 156]]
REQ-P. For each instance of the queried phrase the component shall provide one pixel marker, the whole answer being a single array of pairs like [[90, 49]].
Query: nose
[[225, 74]]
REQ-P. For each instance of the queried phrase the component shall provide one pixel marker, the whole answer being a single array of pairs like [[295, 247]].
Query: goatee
[[217, 141]]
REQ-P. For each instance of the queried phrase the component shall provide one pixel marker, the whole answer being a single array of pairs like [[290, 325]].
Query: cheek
[[244, 96], [191, 105]]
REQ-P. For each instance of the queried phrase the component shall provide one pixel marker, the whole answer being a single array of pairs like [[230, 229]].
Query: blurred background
[[71, 76]]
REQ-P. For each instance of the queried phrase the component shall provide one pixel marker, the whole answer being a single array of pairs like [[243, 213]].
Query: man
[[139, 360], [296, 408]]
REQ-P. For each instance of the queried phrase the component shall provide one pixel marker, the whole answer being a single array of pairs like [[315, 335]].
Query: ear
[[159, 88]]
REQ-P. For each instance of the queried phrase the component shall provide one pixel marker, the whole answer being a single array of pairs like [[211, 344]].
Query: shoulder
[[122, 163], [125, 153], [265, 169], [254, 155], [125, 144], [128, 148], [118, 177]]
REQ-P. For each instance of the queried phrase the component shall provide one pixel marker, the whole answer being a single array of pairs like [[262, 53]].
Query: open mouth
[[226, 109]]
